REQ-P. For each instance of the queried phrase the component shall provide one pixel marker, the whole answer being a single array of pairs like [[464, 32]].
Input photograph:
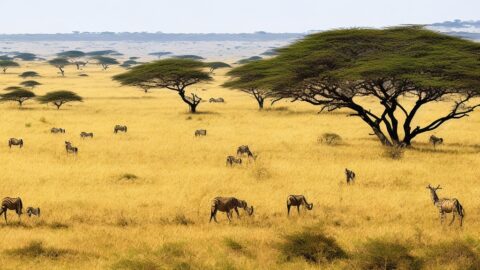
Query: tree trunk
[[20, 102], [4, 70], [62, 71], [193, 108], [260, 104], [191, 103]]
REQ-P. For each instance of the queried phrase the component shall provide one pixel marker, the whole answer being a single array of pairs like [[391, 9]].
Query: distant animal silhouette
[[350, 176], [216, 100], [227, 204], [57, 130], [231, 160], [11, 204], [446, 205], [200, 132], [434, 140], [298, 200], [13, 141], [243, 149], [86, 134], [33, 211], [118, 128], [70, 148]]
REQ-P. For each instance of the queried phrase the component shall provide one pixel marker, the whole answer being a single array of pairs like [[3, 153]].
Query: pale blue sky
[[194, 16]]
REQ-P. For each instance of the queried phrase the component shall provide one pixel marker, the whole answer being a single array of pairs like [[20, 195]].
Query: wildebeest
[[434, 140], [216, 100], [86, 134], [33, 211], [200, 132], [298, 200], [118, 128], [446, 205], [227, 204], [233, 160], [70, 148], [13, 141], [243, 149], [350, 176], [57, 130], [11, 204]]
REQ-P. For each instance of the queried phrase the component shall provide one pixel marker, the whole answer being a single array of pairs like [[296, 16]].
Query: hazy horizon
[[188, 16]]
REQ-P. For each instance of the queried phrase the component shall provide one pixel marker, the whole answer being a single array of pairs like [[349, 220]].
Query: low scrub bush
[[135, 264], [381, 254], [36, 249], [395, 153], [330, 139], [457, 254]]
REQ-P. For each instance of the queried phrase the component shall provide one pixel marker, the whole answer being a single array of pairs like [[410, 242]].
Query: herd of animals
[[230, 204]]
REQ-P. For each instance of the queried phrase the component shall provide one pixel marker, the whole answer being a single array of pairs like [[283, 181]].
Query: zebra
[[243, 149], [57, 130], [233, 160], [216, 100], [446, 205], [86, 134], [13, 141], [434, 140], [350, 176], [33, 211], [70, 148], [118, 128], [200, 132], [297, 200], [11, 204], [227, 204]]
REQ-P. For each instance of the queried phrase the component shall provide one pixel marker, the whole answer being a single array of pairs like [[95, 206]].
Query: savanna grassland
[[141, 200]]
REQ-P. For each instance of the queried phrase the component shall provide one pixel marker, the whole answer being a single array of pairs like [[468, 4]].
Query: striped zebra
[[216, 100], [11, 204], [434, 140], [13, 141], [446, 205], [243, 149], [70, 148], [33, 211], [298, 200], [233, 160], [57, 130], [84, 134], [227, 204], [350, 176], [118, 128], [200, 132]]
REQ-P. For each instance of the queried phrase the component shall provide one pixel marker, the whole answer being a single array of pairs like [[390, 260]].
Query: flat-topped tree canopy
[[18, 95], [159, 54], [173, 74], [217, 65], [74, 57], [5, 57], [6, 64], [28, 74], [58, 98], [60, 63], [105, 61], [101, 53], [25, 56], [335, 69], [12, 88], [248, 60], [30, 83], [189, 56]]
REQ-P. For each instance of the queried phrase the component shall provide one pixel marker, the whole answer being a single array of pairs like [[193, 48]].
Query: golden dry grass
[[104, 220]]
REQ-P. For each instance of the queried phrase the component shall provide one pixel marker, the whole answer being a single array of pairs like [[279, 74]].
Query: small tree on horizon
[[172, 74], [31, 83], [19, 95], [105, 61], [216, 65], [6, 64], [58, 98], [74, 57], [60, 63], [27, 74], [159, 54], [25, 56]]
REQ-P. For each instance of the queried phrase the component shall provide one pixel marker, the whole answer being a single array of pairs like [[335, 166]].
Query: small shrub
[[382, 254], [394, 153], [173, 250], [330, 139], [43, 120], [57, 225], [311, 245], [233, 245], [181, 219], [27, 125], [128, 176], [36, 249], [260, 173], [456, 254], [135, 264]]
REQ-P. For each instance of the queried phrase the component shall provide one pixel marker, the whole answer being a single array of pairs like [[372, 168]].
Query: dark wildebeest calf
[[233, 160], [216, 100], [13, 141], [434, 140], [86, 134], [118, 128], [350, 176], [11, 204], [70, 148], [57, 130], [227, 204], [200, 132]]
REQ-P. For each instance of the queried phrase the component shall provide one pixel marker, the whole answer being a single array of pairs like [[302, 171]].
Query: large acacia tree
[[172, 74], [19, 95], [58, 98], [403, 70]]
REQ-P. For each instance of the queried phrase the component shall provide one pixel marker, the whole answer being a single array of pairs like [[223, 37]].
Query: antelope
[[33, 211], [200, 132], [446, 205], [70, 148], [233, 160], [216, 100], [57, 130], [13, 141], [350, 176], [227, 204], [297, 200], [243, 149], [11, 204], [118, 128], [434, 140], [86, 134]]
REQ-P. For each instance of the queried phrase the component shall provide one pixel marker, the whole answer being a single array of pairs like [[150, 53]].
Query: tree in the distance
[[31, 83], [160, 54], [28, 74], [25, 56], [19, 95], [58, 98], [172, 74], [60, 63], [216, 65], [74, 57], [6, 64], [105, 61]]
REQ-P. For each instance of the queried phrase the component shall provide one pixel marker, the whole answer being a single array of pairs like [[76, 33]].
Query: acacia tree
[[58, 98], [216, 65], [105, 61], [25, 56], [19, 95], [74, 57], [403, 69], [6, 64], [159, 54], [171, 74], [27, 74], [60, 63], [32, 84]]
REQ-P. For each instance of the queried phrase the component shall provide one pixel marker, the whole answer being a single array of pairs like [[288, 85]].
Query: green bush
[[381, 254], [36, 249], [456, 254], [135, 264]]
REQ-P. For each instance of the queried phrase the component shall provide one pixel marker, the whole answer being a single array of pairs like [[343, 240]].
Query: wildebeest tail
[[460, 209]]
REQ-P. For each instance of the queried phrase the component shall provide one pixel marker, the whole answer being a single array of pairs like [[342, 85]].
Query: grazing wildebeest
[[216, 100], [57, 130], [350, 176], [11, 204], [233, 160], [227, 204], [200, 132], [86, 134], [434, 140], [243, 149], [70, 148], [298, 200], [13, 141], [118, 128], [446, 205], [33, 211]]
